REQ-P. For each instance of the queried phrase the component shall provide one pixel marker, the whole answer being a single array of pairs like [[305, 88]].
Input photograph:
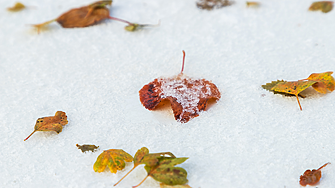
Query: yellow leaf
[[324, 6], [114, 158], [17, 7], [324, 81]]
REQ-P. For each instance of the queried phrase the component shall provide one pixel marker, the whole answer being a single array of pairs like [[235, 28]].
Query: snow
[[249, 138]]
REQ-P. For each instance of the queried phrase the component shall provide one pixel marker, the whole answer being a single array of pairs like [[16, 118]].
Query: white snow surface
[[249, 138]]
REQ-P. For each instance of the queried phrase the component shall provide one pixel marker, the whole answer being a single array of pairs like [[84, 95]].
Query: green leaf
[[170, 175]]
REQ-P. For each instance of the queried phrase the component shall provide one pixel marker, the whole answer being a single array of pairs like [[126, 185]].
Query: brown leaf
[[52, 123], [211, 4], [187, 96], [86, 147], [311, 177]]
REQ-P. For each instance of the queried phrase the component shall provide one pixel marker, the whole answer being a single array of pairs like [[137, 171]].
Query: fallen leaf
[[311, 177], [17, 7], [324, 6], [135, 26], [166, 172], [86, 147], [252, 4], [321, 82], [324, 81], [162, 185], [187, 96], [211, 4], [87, 16], [114, 158], [52, 123]]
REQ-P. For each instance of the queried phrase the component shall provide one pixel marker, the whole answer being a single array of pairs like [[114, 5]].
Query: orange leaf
[[187, 96], [324, 81], [52, 123], [311, 177]]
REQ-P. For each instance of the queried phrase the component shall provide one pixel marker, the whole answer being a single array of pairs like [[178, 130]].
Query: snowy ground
[[249, 138]]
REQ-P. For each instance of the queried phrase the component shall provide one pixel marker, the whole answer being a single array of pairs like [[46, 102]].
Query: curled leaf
[[324, 6], [17, 7], [311, 177], [52, 123], [114, 158], [86, 147], [324, 81], [187, 96]]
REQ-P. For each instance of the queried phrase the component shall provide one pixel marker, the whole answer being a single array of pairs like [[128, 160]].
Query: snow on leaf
[[17, 7], [52, 123], [187, 96], [86, 147], [311, 177], [114, 158], [324, 6], [324, 81]]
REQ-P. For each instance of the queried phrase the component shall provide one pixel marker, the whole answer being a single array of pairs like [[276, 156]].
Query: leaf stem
[[323, 166], [182, 67], [141, 181], [299, 102], [125, 175], [30, 135], [120, 20]]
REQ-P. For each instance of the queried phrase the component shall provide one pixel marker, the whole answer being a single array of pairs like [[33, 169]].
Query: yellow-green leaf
[[114, 158], [324, 6], [324, 81], [162, 185], [17, 7]]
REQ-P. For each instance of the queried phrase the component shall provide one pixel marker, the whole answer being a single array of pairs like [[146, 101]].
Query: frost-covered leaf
[[311, 177], [115, 159], [324, 6], [17, 7], [213, 4], [324, 81], [52, 123], [86, 147], [187, 96]]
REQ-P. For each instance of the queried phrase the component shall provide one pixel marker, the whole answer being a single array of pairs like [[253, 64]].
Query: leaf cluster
[[159, 166], [321, 82]]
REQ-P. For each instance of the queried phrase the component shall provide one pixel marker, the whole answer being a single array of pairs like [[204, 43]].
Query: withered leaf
[[52, 123], [324, 81], [324, 6], [17, 7], [115, 159], [86, 147], [187, 96], [311, 177], [211, 4]]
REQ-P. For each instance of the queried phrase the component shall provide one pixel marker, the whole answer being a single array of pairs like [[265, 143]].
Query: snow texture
[[249, 138]]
